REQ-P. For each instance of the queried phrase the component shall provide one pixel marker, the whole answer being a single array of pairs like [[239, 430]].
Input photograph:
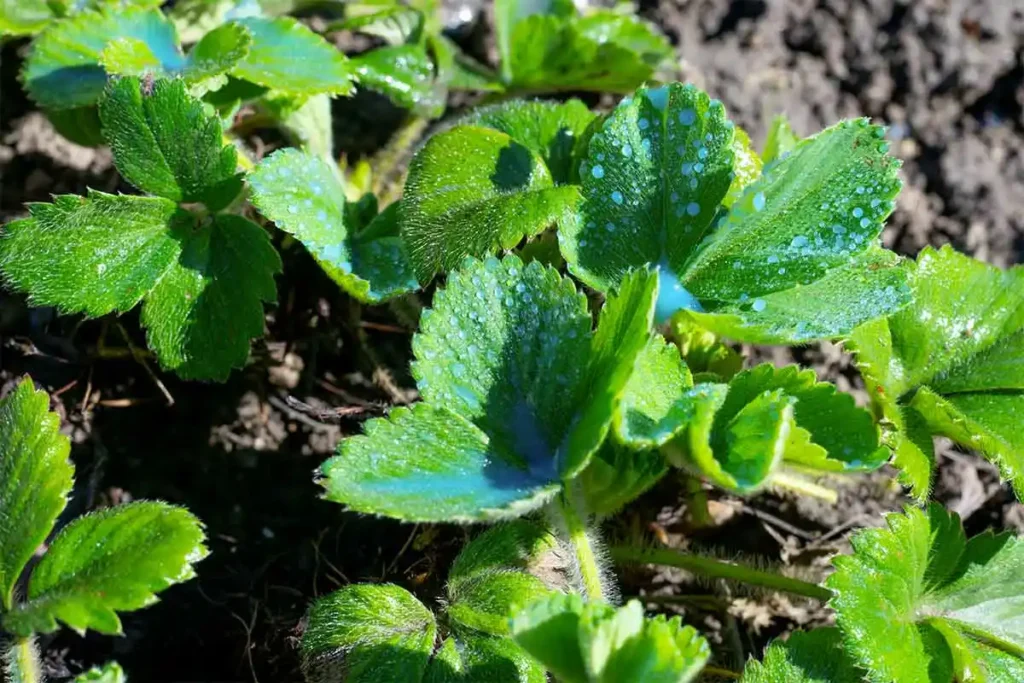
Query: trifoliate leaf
[[35, 478], [548, 129], [498, 193], [950, 364], [405, 74], [366, 633], [111, 672], [287, 56], [603, 52], [918, 596], [508, 13], [477, 658], [618, 475], [305, 197], [202, 313], [491, 578], [213, 56], [527, 392], [806, 657], [63, 69], [165, 144], [795, 258], [110, 561], [594, 643], [746, 166], [780, 141]]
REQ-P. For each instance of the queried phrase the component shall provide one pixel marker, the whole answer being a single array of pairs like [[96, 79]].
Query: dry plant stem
[[717, 569], [21, 662], [575, 530]]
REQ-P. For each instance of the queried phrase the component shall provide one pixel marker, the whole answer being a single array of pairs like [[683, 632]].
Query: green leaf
[[405, 74], [111, 672], [35, 478], [548, 129], [96, 254], [508, 13], [617, 475], [594, 643], [918, 596], [305, 197], [287, 56], [202, 313], [203, 284], [493, 575], [476, 658], [213, 56], [652, 186], [527, 390], [110, 561], [781, 140], [365, 633], [63, 69], [950, 364], [395, 24], [603, 52], [165, 144], [806, 657], [659, 399], [24, 17], [498, 193], [704, 353]]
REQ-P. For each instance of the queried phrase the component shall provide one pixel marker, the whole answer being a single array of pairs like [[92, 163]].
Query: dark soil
[[946, 75]]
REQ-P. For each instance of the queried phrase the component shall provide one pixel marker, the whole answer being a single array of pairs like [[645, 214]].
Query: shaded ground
[[947, 76]]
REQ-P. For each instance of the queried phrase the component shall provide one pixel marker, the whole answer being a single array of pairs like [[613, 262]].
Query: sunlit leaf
[[405, 74], [805, 657]]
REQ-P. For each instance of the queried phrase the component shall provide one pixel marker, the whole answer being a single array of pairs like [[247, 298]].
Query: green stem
[[22, 662], [697, 502], [706, 566], [580, 542], [803, 486]]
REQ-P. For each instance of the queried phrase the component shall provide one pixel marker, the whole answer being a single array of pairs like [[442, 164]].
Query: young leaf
[[111, 672], [395, 24], [918, 595], [35, 478], [304, 197], [795, 258], [110, 561], [498, 193], [63, 69], [950, 364], [780, 141], [214, 55], [548, 129], [527, 392], [476, 658], [287, 56], [603, 52], [806, 657], [165, 144], [405, 74], [508, 13], [365, 633], [618, 475], [492, 576], [594, 643], [747, 166]]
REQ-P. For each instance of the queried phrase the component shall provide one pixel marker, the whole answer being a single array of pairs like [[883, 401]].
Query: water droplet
[[101, 268], [798, 242], [865, 222], [687, 168], [321, 215], [627, 150], [293, 209], [597, 172], [860, 190], [693, 208], [643, 123], [773, 259], [758, 305], [617, 197], [702, 153], [610, 227], [759, 201], [687, 117], [858, 212]]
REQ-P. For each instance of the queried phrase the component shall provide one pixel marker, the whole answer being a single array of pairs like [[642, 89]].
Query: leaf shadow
[[514, 168]]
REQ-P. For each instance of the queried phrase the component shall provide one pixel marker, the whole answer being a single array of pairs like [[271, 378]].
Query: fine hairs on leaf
[[101, 563]]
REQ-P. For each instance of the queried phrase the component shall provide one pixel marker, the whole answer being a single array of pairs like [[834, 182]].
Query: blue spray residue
[[672, 296]]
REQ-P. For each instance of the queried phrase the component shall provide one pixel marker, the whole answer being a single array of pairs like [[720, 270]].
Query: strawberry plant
[[105, 562]]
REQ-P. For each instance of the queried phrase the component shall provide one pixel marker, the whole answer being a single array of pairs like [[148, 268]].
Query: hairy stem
[[803, 486], [706, 566], [579, 541], [21, 662]]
